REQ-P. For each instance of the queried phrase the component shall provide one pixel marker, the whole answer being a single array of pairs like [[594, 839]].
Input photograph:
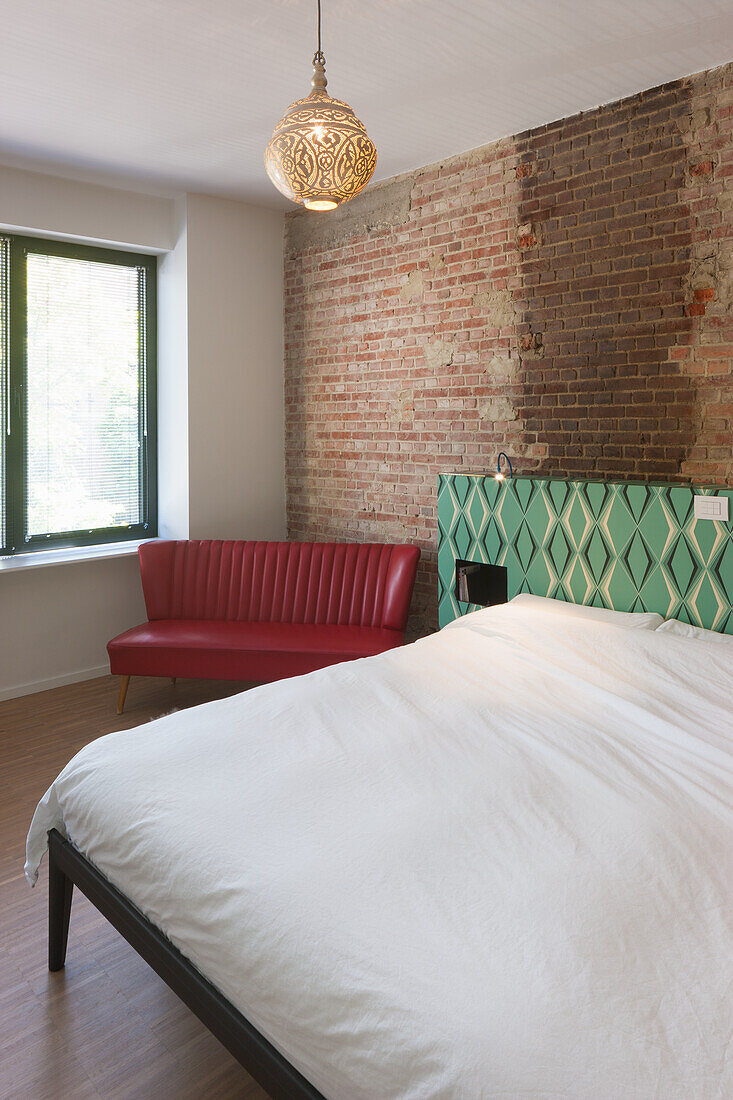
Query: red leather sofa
[[263, 610]]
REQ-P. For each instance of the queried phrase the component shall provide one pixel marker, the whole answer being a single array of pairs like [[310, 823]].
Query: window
[[77, 357]]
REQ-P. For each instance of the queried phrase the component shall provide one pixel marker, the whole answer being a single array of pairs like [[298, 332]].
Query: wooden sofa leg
[[125, 683], [173, 680]]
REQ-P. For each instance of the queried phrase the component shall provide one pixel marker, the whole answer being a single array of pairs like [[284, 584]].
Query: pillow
[[684, 630], [634, 620]]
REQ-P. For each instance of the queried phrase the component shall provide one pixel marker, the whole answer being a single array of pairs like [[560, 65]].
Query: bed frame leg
[[125, 683], [60, 890]]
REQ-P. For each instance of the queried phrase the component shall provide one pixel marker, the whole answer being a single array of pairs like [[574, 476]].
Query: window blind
[[86, 379]]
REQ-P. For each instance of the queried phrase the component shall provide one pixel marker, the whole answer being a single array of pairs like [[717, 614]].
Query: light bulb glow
[[320, 204]]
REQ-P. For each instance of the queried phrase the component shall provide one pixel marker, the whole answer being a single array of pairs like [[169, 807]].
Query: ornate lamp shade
[[320, 155]]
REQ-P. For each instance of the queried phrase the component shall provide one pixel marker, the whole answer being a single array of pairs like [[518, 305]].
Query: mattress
[[494, 863]]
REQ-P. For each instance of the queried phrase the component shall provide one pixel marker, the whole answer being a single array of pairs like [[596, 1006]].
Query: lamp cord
[[318, 56]]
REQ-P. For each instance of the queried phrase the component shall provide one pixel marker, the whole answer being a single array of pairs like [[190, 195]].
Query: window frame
[[16, 409]]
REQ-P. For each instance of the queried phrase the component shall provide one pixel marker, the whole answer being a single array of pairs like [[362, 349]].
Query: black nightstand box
[[479, 583]]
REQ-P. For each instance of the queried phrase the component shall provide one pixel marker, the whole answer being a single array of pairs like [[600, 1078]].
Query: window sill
[[41, 558]]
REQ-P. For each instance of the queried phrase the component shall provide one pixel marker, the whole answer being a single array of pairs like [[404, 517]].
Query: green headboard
[[630, 546]]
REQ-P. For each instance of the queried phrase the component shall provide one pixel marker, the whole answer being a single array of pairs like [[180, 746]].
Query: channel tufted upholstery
[[264, 610], [340, 584]]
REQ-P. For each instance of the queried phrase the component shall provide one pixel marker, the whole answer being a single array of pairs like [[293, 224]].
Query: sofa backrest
[[344, 584]]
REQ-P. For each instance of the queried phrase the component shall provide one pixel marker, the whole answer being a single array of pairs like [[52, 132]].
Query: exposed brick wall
[[606, 248], [564, 295]]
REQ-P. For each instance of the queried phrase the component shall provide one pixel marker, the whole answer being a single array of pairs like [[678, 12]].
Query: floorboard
[[106, 1025]]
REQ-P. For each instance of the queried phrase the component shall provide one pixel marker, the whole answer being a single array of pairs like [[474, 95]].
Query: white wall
[[52, 206], [173, 502], [56, 621], [221, 451], [235, 356]]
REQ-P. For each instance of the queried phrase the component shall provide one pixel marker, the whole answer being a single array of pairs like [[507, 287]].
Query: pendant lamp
[[320, 155]]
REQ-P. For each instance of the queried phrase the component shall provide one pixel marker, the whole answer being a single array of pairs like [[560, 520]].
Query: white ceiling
[[174, 95]]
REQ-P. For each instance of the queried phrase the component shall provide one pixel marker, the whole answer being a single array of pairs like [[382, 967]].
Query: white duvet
[[495, 863]]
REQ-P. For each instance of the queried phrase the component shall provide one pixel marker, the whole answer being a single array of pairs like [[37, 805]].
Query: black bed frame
[[68, 868]]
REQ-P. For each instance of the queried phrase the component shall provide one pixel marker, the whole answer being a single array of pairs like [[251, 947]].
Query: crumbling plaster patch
[[497, 307], [413, 286], [378, 208]]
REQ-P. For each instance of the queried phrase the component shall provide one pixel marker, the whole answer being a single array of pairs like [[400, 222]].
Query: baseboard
[[53, 682]]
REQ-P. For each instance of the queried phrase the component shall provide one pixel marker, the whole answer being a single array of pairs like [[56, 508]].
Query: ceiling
[[172, 95]]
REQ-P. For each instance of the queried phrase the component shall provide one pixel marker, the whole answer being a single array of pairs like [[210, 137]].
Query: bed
[[493, 863]]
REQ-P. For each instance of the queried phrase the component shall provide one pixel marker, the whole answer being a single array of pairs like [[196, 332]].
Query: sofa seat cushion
[[212, 649]]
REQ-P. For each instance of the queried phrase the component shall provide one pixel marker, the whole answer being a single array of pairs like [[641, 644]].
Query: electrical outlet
[[711, 508]]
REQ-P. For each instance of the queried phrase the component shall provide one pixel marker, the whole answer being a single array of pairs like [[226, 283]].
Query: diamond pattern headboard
[[629, 546]]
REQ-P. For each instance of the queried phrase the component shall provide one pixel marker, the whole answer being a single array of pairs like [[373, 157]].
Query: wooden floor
[[106, 1026]]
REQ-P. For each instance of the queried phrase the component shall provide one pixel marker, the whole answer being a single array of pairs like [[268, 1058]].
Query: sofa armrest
[[156, 574], [399, 585]]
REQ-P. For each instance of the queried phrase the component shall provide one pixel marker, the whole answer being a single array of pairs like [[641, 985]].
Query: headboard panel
[[630, 546]]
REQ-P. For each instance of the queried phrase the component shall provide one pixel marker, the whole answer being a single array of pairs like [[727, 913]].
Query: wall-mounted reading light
[[499, 475]]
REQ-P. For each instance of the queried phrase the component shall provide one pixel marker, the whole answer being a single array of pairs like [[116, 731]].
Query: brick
[[558, 297]]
